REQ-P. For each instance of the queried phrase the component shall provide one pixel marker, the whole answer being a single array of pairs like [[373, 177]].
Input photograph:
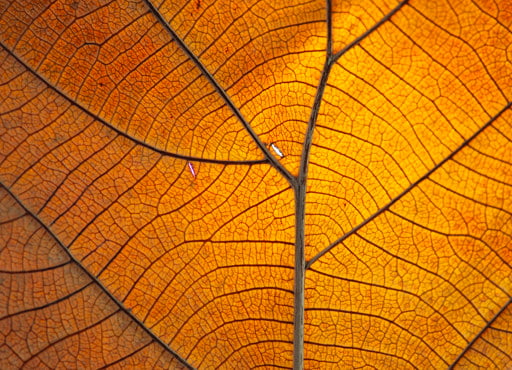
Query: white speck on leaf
[[277, 150]]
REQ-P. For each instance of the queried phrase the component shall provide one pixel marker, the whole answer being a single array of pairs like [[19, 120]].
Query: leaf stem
[[300, 210], [299, 279]]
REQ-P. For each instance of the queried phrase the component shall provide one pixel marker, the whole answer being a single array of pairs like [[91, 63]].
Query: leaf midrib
[[300, 187]]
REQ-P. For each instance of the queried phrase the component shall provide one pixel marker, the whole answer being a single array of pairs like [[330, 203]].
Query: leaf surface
[[218, 184]]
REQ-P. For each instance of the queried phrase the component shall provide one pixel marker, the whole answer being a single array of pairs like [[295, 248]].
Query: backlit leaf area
[[255, 184]]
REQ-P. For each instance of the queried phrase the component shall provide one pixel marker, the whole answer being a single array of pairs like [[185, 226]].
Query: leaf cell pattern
[[220, 184]]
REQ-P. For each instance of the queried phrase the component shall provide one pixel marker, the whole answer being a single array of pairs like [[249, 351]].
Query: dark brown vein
[[164, 345], [117, 130], [223, 94]]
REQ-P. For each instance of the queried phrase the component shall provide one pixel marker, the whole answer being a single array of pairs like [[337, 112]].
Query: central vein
[[300, 213]]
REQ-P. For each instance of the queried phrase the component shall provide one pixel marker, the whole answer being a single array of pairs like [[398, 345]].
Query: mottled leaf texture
[[242, 184]]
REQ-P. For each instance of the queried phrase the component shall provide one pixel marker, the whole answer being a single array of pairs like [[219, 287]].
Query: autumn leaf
[[220, 184]]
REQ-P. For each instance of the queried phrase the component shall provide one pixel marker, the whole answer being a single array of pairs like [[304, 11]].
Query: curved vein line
[[480, 333], [265, 365], [362, 349], [35, 354], [35, 271], [409, 188], [117, 130], [120, 360], [55, 301], [389, 321], [451, 73], [223, 94], [193, 258], [226, 296], [449, 236], [437, 276], [388, 288], [96, 280], [465, 42]]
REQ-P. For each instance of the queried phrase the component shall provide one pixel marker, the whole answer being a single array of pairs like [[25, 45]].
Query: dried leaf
[[219, 184]]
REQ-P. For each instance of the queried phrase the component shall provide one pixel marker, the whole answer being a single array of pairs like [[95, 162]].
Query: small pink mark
[[191, 168]]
